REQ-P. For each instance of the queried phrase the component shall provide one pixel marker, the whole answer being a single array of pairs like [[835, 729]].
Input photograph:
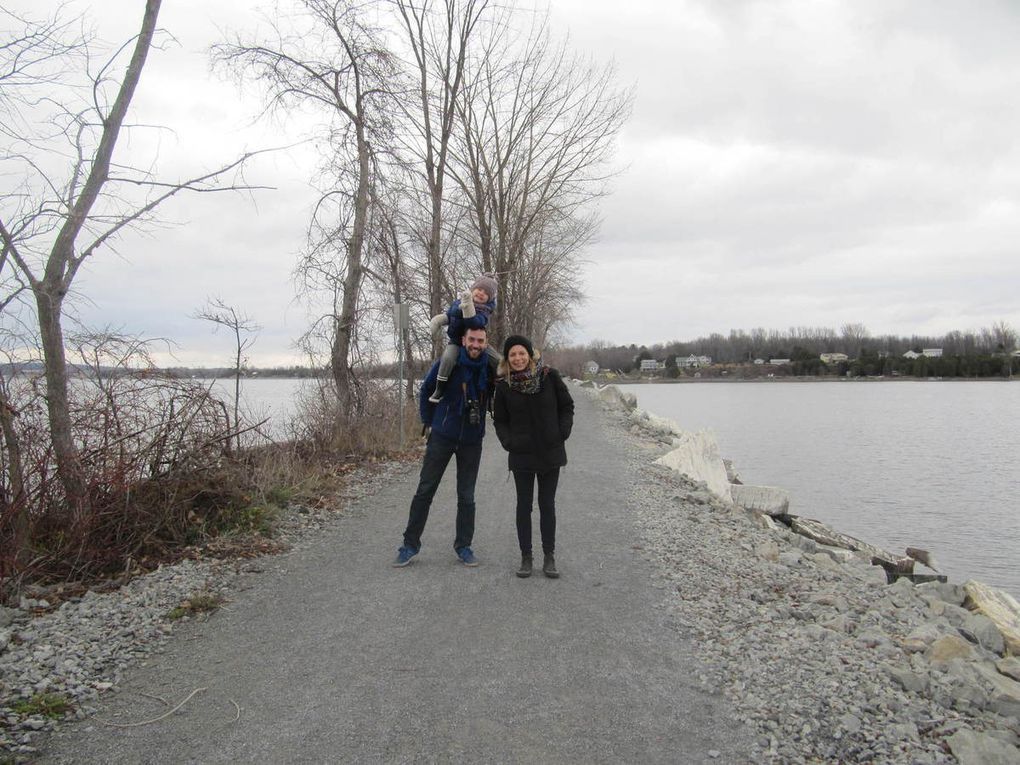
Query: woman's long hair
[[503, 370]]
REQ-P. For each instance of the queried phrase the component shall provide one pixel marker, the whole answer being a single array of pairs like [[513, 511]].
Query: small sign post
[[401, 316]]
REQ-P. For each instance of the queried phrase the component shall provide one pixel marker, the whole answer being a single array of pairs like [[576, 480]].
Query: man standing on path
[[455, 427]]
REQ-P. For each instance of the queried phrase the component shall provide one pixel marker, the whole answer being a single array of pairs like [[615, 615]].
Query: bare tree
[[69, 203], [245, 331], [391, 240], [854, 335], [329, 58], [1004, 336], [439, 35], [539, 130]]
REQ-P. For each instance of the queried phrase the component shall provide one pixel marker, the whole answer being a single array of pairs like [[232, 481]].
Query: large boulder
[[613, 398], [697, 457], [998, 606], [770, 500], [658, 426]]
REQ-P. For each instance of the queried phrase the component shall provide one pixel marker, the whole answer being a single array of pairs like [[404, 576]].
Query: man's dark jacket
[[449, 418]]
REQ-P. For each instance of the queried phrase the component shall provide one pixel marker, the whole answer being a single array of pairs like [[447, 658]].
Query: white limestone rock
[[697, 457], [770, 500], [614, 398]]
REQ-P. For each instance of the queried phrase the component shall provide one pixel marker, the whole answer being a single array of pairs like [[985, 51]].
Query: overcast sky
[[787, 164]]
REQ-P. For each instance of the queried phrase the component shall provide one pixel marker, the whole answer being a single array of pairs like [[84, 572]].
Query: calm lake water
[[934, 465], [275, 398]]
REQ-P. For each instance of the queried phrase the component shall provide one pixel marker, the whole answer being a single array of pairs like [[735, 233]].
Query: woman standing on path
[[533, 414]]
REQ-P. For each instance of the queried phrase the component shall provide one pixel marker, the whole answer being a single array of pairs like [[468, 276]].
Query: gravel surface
[[684, 630]]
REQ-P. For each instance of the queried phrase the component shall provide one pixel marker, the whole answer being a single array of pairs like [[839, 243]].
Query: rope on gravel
[[161, 717], [156, 698]]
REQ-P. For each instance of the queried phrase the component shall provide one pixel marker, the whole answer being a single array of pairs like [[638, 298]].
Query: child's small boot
[[437, 394]]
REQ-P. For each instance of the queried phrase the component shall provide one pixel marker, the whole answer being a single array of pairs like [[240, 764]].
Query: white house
[[650, 365], [911, 355], [591, 367], [833, 358], [931, 353], [779, 362], [759, 362], [692, 361]]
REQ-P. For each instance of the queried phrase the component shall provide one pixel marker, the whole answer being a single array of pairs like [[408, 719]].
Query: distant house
[[650, 365], [779, 362], [693, 362], [931, 353], [759, 362], [1014, 353], [911, 355], [591, 367], [833, 358]]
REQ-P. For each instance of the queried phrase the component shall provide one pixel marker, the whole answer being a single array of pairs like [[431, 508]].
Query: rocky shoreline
[[820, 656], [817, 652]]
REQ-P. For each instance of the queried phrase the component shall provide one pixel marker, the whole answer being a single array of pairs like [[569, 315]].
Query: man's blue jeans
[[437, 456]]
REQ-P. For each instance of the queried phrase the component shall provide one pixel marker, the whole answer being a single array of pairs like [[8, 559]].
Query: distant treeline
[[984, 353], [208, 373]]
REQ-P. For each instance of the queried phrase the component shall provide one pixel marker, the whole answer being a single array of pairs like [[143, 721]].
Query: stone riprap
[[825, 659]]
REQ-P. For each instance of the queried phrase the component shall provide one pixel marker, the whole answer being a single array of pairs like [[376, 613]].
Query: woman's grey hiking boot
[[549, 567], [526, 563]]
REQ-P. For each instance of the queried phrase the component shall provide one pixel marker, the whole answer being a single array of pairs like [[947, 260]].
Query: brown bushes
[[164, 472]]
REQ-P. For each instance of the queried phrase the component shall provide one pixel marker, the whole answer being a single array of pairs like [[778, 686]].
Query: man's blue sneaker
[[467, 557], [404, 555]]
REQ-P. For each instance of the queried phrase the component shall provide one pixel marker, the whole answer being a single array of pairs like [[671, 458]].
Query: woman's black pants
[[525, 481]]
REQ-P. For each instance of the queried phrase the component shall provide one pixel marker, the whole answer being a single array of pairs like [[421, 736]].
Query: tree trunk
[[16, 506], [344, 328], [61, 267], [58, 407]]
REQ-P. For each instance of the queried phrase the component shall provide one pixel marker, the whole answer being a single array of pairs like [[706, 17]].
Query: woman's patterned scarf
[[527, 381]]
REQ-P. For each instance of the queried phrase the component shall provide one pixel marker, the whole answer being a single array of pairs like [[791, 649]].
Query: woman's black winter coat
[[533, 427]]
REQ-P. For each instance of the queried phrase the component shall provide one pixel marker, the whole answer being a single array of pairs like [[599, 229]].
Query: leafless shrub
[[327, 428], [156, 463]]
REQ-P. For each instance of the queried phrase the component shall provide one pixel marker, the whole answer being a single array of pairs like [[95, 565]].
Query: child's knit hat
[[486, 282]]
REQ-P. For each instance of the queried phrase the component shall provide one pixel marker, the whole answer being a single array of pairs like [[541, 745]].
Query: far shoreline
[[793, 379]]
